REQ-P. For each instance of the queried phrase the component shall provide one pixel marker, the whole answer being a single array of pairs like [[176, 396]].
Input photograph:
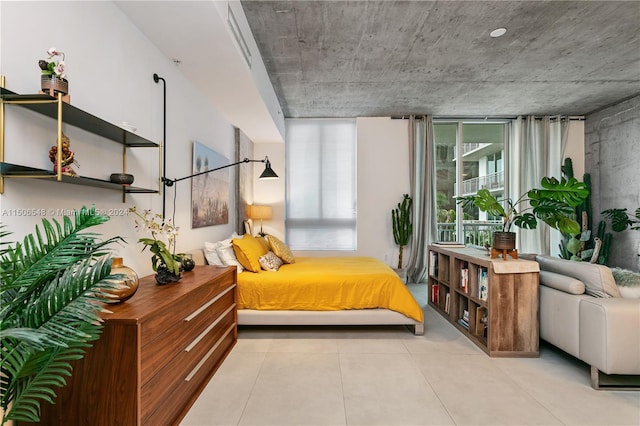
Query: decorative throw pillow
[[281, 249], [264, 243], [248, 250], [228, 256], [628, 282], [270, 262]]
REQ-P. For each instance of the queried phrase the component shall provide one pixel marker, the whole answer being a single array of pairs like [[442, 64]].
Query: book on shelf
[[434, 293], [464, 277], [447, 302], [463, 323], [450, 244], [483, 283], [433, 264]]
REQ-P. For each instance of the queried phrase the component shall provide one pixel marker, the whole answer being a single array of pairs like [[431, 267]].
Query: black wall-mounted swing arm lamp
[[268, 172]]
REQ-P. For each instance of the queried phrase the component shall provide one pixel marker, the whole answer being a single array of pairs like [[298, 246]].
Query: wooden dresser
[[157, 352]]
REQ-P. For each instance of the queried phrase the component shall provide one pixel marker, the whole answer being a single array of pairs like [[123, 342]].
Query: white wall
[[383, 177], [110, 65]]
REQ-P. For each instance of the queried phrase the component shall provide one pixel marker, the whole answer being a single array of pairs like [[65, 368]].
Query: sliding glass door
[[470, 155]]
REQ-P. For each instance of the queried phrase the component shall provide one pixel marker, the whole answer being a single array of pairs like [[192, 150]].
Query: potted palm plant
[[402, 228], [50, 288], [553, 204]]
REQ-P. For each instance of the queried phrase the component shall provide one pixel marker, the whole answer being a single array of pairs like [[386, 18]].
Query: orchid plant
[[163, 253], [52, 67]]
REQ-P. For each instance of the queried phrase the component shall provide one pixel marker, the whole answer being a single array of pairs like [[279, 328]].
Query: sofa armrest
[[610, 334]]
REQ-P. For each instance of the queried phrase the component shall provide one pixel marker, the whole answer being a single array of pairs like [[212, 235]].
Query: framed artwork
[[209, 191]]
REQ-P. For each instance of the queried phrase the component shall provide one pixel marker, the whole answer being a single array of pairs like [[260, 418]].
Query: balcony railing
[[492, 182], [473, 232]]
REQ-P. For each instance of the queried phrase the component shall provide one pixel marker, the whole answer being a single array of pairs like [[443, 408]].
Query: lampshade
[[268, 172], [259, 212]]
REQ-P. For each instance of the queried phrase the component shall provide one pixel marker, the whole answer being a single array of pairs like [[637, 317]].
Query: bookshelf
[[494, 302]]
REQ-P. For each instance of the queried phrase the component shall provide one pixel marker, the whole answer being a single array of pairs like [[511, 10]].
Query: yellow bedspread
[[327, 284]]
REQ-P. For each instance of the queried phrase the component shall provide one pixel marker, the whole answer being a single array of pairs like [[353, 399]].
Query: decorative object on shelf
[[53, 79], [121, 178], [402, 229], [259, 212], [68, 157], [128, 282], [50, 309], [188, 263], [128, 127], [164, 261], [553, 204]]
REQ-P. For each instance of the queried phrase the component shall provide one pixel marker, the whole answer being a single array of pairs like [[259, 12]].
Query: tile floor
[[387, 376]]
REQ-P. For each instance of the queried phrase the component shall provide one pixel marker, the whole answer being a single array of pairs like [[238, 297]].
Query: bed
[[326, 291]]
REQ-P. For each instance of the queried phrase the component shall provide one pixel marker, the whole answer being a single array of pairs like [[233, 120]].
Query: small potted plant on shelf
[[553, 204], [402, 229], [53, 79]]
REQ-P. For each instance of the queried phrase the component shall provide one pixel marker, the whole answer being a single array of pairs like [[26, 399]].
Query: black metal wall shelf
[[73, 116], [17, 171], [77, 118]]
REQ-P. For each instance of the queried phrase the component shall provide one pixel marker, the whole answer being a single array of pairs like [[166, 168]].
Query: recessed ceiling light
[[498, 32]]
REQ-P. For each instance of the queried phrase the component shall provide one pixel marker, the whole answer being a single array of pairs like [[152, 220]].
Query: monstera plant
[[552, 203], [50, 286], [621, 220]]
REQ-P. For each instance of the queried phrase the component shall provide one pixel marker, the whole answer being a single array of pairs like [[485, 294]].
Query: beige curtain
[[536, 150], [422, 178]]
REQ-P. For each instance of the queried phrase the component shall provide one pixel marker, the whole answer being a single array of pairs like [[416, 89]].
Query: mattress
[[328, 284]]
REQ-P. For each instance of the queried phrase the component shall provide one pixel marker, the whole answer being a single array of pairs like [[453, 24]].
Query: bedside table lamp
[[259, 212]]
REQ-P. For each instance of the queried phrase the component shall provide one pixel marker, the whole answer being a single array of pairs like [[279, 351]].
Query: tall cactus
[[401, 221], [586, 246]]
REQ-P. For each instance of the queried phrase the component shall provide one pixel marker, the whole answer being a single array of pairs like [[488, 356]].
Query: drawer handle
[[208, 354], [209, 303], [208, 329]]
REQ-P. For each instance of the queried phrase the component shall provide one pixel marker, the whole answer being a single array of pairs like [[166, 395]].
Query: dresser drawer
[[192, 299], [185, 333], [168, 391]]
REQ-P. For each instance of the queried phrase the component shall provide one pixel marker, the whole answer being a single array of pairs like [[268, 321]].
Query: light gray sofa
[[583, 313]]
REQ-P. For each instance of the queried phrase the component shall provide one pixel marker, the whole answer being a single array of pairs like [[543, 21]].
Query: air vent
[[237, 34]]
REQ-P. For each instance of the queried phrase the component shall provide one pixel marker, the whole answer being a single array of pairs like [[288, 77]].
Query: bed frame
[[347, 317]]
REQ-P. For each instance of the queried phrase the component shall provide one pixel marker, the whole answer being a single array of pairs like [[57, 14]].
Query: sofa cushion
[[628, 282], [598, 279], [562, 282]]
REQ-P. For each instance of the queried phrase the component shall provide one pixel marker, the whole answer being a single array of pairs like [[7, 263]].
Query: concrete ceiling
[[386, 58]]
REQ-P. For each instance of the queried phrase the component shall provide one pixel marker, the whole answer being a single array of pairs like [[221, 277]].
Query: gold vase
[[128, 279]]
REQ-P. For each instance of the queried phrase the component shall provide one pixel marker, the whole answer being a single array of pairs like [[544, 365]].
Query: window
[[321, 184], [482, 167]]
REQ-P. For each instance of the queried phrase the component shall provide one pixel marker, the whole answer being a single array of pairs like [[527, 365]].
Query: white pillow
[[228, 256], [211, 254]]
